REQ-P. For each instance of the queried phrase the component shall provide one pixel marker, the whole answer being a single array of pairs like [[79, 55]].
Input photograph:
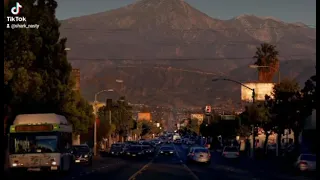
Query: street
[[171, 168]]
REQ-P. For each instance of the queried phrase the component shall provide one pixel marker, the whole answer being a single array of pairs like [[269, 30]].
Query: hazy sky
[[286, 10]]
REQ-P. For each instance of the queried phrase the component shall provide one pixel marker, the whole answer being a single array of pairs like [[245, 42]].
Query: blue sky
[[285, 10]]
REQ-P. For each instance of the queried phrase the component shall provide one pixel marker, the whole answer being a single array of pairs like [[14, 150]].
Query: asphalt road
[[169, 168]]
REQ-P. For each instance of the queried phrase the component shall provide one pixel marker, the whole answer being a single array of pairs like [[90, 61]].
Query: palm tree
[[266, 55]]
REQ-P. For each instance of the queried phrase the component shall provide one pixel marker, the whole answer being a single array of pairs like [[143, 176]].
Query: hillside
[[167, 51]]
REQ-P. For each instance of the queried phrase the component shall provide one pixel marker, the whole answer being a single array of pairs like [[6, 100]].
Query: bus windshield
[[33, 143]]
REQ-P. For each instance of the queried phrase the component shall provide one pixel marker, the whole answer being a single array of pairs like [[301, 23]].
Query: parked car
[[116, 149], [306, 162]]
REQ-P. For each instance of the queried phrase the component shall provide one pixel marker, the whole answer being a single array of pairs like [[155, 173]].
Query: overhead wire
[[168, 43], [309, 26], [177, 58]]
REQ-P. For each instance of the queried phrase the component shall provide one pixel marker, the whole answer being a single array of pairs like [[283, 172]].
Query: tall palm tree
[[266, 55]]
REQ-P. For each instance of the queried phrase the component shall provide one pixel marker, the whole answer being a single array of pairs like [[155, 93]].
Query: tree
[[122, 117], [146, 127], [258, 114], [266, 55], [192, 127], [309, 97], [255, 114], [285, 107], [105, 128], [37, 73]]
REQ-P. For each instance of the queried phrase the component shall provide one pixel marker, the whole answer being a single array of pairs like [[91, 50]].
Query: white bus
[[40, 142]]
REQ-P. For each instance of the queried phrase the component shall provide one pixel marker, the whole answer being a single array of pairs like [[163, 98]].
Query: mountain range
[[167, 52]]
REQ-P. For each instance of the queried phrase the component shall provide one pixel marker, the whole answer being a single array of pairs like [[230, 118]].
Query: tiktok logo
[[15, 10]]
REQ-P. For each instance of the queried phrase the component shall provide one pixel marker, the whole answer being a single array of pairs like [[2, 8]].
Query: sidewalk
[[272, 164]]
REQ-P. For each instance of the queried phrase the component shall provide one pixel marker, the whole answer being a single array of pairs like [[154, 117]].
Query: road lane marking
[[195, 177], [133, 177]]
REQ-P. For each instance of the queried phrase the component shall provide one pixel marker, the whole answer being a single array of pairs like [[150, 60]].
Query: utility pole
[[108, 108], [96, 117], [253, 129], [110, 123]]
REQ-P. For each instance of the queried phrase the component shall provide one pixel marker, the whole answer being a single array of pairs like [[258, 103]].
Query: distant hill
[[167, 52]]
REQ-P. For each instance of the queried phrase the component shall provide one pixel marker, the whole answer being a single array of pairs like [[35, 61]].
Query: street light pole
[[256, 66], [96, 117], [110, 137], [253, 101]]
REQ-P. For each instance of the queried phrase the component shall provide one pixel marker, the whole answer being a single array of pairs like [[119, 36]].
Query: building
[[146, 116], [76, 76]]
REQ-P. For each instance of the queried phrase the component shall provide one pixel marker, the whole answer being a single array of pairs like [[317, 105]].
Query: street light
[[257, 66], [253, 101], [231, 80], [67, 49], [96, 116], [120, 81]]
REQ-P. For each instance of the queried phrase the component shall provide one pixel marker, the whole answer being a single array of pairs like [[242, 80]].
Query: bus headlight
[[53, 163], [14, 164], [86, 156]]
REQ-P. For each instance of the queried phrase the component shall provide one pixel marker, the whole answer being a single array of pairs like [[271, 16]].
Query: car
[[157, 142], [83, 154], [190, 142], [116, 149], [147, 143], [135, 151], [230, 152], [166, 150], [306, 162], [148, 149], [177, 141], [199, 154]]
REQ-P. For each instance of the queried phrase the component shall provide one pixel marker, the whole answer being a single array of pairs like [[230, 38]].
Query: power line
[[206, 43], [285, 26], [177, 59]]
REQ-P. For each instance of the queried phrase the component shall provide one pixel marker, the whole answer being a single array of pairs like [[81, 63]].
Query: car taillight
[[303, 163]]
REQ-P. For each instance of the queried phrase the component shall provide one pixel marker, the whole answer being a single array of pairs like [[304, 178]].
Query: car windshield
[[81, 148], [135, 148], [33, 143], [146, 147], [116, 145], [231, 149], [308, 157], [166, 149], [201, 151]]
